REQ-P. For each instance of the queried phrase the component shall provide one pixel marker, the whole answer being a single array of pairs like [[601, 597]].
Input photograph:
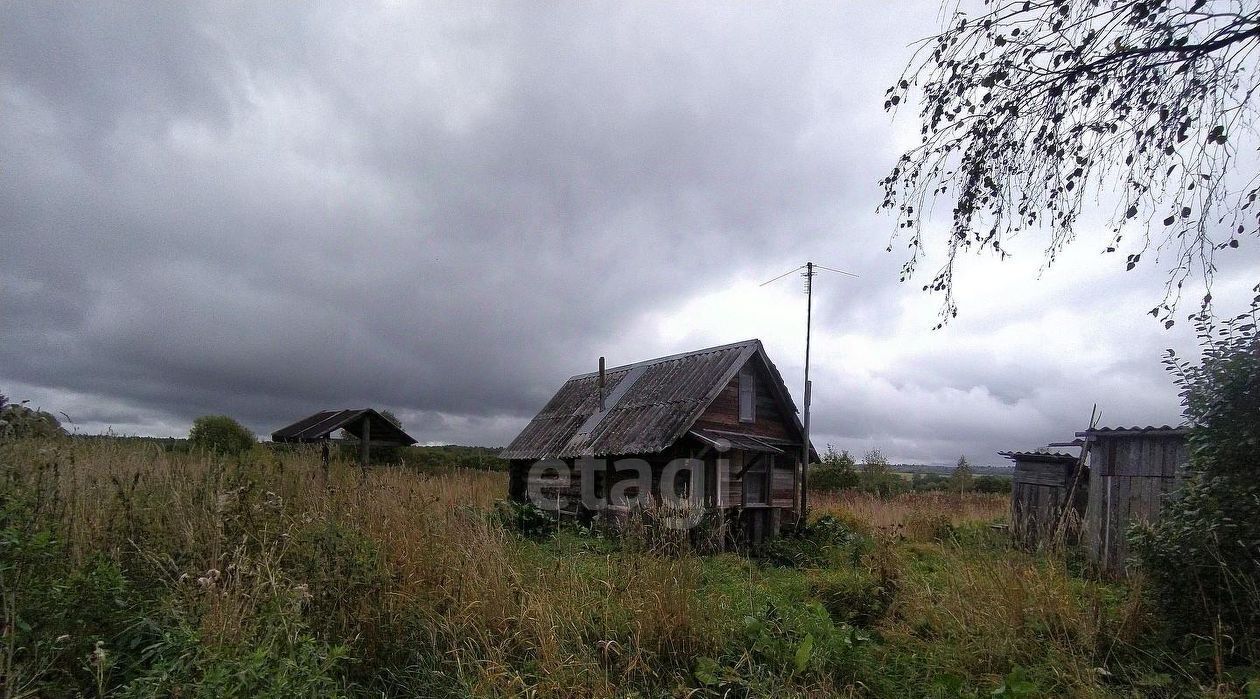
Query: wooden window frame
[[748, 387], [764, 472]]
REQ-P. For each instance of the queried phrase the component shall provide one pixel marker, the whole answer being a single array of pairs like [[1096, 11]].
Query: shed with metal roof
[[367, 426], [1133, 470], [1042, 495]]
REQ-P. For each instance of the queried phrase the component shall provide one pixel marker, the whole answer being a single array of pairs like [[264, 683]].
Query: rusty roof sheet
[[665, 398]]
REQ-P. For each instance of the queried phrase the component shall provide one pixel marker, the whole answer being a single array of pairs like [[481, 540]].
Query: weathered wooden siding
[[732, 483], [1035, 512], [761, 523], [723, 412], [1039, 498], [783, 487], [772, 420], [1131, 478], [555, 489]]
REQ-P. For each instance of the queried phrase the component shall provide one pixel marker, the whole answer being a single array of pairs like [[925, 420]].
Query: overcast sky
[[266, 209]]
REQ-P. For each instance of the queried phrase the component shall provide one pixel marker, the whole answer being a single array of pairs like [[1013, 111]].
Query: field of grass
[[131, 571]]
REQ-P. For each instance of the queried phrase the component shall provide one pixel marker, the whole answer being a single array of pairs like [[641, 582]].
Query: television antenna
[[811, 269]]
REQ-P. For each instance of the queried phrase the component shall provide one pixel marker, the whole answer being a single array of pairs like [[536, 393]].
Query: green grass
[[132, 571]]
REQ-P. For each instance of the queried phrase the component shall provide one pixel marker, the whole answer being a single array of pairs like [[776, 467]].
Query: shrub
[[281, 659], [810, 545], [1202, 558], [342, 570], [220, 434], [853, 595], [525, 518], [992, 484], [878, 477], [17, 421], [836, 472]]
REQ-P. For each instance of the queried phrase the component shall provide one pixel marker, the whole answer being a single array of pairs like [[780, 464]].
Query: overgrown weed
[[129, 570]]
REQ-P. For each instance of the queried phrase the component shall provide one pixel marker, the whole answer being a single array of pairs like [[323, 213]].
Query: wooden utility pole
[[809, 314], [810, 270]]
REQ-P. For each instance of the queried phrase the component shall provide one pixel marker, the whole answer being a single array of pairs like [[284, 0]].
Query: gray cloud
[[445, 210]]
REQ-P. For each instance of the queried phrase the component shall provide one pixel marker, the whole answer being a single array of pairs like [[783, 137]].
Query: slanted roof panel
[[665, 398], [322, 424], [1047, 456], [308, 427]]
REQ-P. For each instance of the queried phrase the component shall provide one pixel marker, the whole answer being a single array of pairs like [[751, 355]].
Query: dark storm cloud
[[265, 209], [272, 209]]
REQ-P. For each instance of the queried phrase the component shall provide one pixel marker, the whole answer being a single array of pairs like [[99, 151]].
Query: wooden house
[[1132, 472], [725, 407], [1046, 492]]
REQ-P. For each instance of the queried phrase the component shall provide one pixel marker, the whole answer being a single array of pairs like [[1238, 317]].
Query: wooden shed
[[1043, 494], [1132, 471], [725, 407], [367, 426]]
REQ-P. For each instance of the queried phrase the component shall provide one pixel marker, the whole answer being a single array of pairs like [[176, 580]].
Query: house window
[[747, 395], [757, 479]]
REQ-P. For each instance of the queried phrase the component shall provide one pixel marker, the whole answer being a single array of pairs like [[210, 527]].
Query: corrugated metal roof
[[666, 397], [1040, 455], [1149, 431], [320, 425]]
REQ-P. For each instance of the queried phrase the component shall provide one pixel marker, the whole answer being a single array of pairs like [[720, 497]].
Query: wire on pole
[[781, 276]]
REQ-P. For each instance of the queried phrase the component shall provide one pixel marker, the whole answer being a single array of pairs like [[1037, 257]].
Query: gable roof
[[320, 425], [649, 405]]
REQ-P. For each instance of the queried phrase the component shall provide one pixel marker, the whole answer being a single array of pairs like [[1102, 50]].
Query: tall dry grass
[[436, 596], [497, 613], [899, 510]]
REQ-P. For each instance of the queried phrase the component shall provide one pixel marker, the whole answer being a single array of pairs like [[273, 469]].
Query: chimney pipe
[[601, 384]]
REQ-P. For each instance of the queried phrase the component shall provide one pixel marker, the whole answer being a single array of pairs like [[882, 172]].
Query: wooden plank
[[1094, 514], [1100, 453], [1168, 458], [1154, 501], [734, 494], [1149, 461], [1140, 500], [1041, 513], [1128, 457], [1034, 507], [1178, 458], [1038, 479], [1109, 523], [1121, 503], [723, 412], [1041, 474], [782, 492]]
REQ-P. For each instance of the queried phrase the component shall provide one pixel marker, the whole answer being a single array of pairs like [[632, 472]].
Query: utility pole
[[810, 270], [809, 314]]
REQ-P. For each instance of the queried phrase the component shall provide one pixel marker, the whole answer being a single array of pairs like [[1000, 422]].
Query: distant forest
[[438, 457]]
